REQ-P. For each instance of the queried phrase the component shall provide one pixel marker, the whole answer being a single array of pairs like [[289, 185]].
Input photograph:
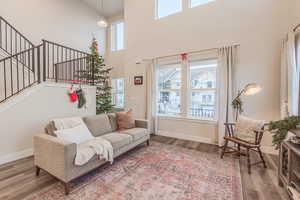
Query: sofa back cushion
[[98, 124], [113, 121]]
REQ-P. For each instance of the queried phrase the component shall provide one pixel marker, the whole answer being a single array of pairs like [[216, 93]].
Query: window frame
[[114, 36], [157, 12], [185, 92], [113, 94], [202, 4]]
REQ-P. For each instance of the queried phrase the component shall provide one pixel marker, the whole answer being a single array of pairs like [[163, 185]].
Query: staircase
[[23, 64]]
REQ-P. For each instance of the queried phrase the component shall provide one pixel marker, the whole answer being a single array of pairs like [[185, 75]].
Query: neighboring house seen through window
[[117, 36], [118, 96], [202, 88]]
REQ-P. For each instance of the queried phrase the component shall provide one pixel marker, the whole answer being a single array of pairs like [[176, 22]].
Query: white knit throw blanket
[[97, 146], [86, 150]]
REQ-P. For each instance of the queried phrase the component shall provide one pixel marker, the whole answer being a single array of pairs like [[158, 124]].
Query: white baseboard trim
[[265, 149], [185, 137], [16, 156]]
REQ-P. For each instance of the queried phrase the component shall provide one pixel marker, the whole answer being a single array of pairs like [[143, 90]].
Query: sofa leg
[[38, 170], [148, 142], [67, 188]]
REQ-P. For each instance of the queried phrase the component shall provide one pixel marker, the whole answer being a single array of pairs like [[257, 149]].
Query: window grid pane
[[117, 36], [169, 85], [168, 7], [118, 92], [202, 89]]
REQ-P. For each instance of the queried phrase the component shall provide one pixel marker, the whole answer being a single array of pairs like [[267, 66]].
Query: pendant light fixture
[[102, 22]]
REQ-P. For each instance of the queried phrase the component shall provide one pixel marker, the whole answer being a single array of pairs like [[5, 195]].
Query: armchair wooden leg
[[38, 170], [239, 150], [67, 188], [224, 149], [248, 161], [262, 157], [148, 142]]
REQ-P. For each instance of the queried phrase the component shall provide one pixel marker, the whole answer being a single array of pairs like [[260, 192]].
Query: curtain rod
[[191, 52], [296, 27]]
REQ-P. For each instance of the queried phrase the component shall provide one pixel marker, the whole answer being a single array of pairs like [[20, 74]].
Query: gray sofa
[[57, 156]]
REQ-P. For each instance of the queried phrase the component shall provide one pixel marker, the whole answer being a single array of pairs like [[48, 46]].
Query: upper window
[[118, 87], [194, 3], [167, 7], [117, 36]]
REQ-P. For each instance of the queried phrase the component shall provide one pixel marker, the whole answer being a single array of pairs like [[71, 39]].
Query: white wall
[[69, 22], [258, 26], [27, 115]]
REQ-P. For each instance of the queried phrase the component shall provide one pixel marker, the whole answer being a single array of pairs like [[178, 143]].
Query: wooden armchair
[[254, 146]]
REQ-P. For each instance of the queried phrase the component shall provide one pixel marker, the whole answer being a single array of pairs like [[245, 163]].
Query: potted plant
[[280, 129]]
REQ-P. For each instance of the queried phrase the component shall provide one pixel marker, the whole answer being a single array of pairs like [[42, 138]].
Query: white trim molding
[[185, 137], [16, 156], [265, 149]]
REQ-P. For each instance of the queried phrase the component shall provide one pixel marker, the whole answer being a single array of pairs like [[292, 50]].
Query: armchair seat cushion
[[118, 140], [136, 133]]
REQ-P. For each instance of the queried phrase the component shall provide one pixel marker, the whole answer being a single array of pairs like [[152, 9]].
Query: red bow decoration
[[184, 56]]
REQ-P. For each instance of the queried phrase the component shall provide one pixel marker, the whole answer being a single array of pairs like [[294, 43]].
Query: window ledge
[[189, 119]]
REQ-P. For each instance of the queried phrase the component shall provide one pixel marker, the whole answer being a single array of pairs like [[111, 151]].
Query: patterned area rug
[[157, 172]]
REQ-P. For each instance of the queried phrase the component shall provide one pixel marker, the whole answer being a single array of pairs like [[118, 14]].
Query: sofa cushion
[[136, 133], [76, 135], [118, 140], [125, 120], [113, 121], [98, 124]]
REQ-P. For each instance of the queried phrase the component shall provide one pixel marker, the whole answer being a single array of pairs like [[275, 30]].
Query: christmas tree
[[97, 74]]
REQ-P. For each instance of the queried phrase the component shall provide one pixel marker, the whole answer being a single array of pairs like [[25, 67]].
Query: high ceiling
[[110, 7]]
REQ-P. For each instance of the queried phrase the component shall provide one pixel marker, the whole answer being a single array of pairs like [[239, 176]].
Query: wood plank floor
[[17, 179]]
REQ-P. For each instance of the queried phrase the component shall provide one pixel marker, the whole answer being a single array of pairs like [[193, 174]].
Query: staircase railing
[[27, 64], [64, 64], [17, 76], [11, 40]]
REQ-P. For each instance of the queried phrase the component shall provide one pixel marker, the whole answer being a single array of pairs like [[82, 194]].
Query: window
[[187, 88], [169, 86], [167, 7], [117, 36], [194, 3], [202, 88], [118, 86]]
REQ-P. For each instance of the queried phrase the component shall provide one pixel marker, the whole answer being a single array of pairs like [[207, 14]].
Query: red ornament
[[184, 56]]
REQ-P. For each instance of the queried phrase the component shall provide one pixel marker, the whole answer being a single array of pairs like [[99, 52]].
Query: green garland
[[280, 128]]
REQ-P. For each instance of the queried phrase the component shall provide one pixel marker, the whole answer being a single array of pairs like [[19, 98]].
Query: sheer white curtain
[[151, 95], [226, 83], [289, 93]]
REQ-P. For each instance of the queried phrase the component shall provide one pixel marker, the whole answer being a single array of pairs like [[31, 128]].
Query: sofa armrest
[[142, 123], [53, 155]]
